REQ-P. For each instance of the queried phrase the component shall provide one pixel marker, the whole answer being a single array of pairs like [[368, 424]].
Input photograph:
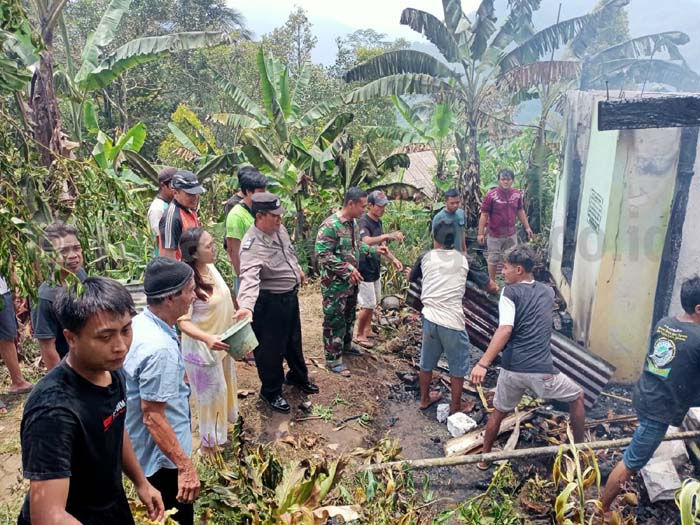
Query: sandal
[[20, 391], [340, 369], [365, 343], [483, 465]]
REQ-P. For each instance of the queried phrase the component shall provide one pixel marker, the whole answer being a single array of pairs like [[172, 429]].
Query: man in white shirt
[[444, 273], [161, 201]]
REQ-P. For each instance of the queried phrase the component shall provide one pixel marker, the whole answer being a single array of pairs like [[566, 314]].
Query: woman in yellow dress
[[210, 370]]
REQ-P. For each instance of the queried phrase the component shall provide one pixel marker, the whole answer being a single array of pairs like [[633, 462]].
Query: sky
[[332, 18]]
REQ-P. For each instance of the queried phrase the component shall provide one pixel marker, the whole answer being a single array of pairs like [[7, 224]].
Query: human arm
[[483, 221], [47, 436], [251, 266], [146, 492], [327, 242], [417, 271], [482, 280], [47, 502], [191, 329], [233, 248], [523, 220], [506, 321], [170, 230], [384, 237], [395, 261], [165, 439]]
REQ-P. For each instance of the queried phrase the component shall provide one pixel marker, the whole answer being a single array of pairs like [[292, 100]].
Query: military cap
[[265, 202]]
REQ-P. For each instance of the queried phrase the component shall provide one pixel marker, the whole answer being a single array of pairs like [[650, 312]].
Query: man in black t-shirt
[[370, 289], [668, 387], [74, 446], [61, 240]]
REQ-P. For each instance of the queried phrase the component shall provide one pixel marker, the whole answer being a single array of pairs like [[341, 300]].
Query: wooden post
[[516, 454]]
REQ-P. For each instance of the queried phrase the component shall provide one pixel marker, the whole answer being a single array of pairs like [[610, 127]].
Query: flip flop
[[483, 465], [364, 344], [340, 369], [432, 401], [21, 391]]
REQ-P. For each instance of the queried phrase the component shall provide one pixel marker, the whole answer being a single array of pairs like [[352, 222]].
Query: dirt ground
[[346, 414]]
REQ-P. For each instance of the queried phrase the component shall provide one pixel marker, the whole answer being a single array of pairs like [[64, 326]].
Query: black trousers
[[165, 480], [277, 326]]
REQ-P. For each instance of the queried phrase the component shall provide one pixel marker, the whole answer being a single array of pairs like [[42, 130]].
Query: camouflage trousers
[[338, 322]]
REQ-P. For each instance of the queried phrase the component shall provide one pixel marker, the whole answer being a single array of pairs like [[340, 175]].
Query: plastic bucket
[[240, 339]]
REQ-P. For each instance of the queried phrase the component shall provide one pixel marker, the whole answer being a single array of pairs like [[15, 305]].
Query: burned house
[[626, 219]]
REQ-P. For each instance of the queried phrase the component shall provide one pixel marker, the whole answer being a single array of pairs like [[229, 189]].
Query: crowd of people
[[116, 399]]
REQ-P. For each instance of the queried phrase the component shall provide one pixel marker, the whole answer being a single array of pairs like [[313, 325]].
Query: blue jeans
[[454, 343], [645, 441]]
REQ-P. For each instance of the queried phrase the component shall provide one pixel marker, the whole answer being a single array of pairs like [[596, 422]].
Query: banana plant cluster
[[476, 52], [274, 137]]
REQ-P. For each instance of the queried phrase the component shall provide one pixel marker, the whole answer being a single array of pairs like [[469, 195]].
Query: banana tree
[[475, 53], [618, 66], [97, 69], [274, 136]]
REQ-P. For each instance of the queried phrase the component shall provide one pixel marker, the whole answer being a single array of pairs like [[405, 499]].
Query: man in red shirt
[[499, 209], [181, 214]]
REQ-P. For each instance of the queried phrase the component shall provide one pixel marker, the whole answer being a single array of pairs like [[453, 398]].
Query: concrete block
[[673, 451], [459, 424], [443, 410], [661, 480]]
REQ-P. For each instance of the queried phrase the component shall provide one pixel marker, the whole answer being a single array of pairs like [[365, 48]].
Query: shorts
[[646, 439], [454, 343], [497, 246], [369, 294], [512, 385], [8, 321]]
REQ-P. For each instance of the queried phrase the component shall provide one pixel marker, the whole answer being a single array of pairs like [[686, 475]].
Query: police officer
[[270, 277]]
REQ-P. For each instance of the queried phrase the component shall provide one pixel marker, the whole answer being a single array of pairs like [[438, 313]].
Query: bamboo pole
[[516, 454]]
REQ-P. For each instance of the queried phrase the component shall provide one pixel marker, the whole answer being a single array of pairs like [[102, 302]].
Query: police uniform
[[270, 277]]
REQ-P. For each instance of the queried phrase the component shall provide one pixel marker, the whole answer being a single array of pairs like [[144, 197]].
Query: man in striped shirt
[[181, 215]]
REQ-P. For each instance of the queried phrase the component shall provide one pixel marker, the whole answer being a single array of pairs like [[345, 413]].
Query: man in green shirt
[[240, 218]]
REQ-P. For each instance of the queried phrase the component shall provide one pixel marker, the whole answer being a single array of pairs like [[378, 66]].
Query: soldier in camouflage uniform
[[338, 247]]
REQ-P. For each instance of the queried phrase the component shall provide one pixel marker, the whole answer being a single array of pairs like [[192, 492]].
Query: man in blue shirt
[[453, 214], [158, 411]]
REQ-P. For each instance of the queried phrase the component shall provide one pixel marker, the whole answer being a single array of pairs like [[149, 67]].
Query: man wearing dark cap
[[270, 277], [181, 214], [444, 272], [158, 412], [370, 289], [161, 201], [241, 217]]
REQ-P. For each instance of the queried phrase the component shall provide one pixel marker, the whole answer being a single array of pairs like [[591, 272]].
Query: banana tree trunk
[[537, 164], [471, 179], [47, 127]]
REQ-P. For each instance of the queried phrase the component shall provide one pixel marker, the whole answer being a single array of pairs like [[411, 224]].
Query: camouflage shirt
[[338, 247]]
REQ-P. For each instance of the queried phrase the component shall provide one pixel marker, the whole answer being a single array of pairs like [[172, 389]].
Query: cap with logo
[[378, 198], [265, 202], [187, 182]]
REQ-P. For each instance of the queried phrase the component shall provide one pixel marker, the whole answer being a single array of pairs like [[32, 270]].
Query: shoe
[[353, 350], [278, 403], [307, 388]]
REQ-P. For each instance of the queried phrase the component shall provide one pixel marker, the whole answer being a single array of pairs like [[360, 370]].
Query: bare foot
[[21, 388], [372, 335], [467, 406], [433, 397]]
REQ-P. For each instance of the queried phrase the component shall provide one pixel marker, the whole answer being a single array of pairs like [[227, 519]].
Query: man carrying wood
[[667, 388], [524, 333]]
